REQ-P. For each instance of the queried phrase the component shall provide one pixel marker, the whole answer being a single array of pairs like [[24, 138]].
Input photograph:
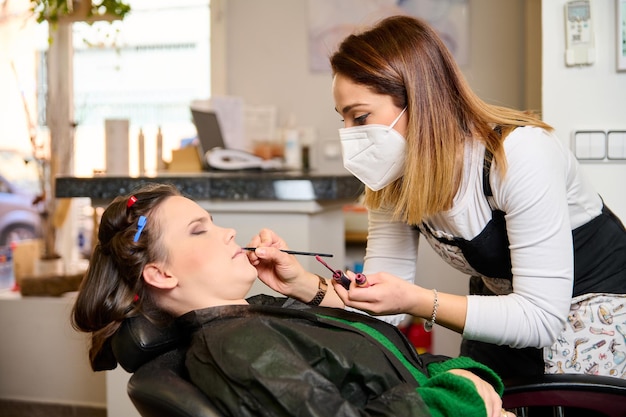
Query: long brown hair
[[112, 288], [403, 57]]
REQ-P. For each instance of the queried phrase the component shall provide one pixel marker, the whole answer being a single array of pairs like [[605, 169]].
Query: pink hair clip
[[132, 200]]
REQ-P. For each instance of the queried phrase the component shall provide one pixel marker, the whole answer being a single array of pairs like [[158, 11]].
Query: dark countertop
[[223, 185]]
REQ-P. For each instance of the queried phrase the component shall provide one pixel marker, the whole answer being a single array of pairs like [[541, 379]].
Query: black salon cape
[[279, 357]]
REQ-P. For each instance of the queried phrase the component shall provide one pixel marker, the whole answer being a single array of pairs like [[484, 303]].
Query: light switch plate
[[590, 144], [616, 144]]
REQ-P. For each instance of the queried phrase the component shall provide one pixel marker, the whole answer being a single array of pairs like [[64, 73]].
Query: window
[[147, 69]]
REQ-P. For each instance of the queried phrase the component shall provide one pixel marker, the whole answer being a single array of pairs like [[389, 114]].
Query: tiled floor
[[26, 409]]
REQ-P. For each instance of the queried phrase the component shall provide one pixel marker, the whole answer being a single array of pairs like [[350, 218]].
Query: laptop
[[209, 130], [210, 139]]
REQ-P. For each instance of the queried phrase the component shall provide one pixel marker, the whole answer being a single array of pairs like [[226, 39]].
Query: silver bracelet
[[428, 325]]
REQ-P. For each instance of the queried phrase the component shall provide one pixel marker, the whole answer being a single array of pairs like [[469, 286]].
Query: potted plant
[[55, 11]]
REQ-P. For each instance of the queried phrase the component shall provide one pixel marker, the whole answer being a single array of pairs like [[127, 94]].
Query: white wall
[[590, 97]]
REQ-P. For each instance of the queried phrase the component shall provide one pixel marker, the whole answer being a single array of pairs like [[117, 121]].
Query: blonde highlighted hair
[[403, 57]]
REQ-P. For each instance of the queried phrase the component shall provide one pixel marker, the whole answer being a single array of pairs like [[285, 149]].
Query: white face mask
[[374, 153]]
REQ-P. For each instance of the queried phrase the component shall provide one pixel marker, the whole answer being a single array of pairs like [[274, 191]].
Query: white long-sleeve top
[[544, 197]]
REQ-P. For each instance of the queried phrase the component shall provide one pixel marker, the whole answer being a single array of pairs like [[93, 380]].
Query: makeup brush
[[295, 252]]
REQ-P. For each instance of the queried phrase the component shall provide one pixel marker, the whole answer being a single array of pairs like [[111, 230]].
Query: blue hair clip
[[141, 223]]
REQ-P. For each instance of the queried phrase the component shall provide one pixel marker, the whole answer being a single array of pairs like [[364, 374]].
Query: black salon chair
[[566, 395], [159, 384]]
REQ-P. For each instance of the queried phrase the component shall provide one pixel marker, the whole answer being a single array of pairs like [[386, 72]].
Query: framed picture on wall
[[330, 21], [621, 35]]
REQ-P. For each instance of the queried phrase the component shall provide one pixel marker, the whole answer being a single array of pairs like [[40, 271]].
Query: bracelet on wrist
[[428, 324], [322, 287]]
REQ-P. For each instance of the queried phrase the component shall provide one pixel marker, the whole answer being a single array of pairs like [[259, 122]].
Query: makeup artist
[[160, 256], [494, 192]]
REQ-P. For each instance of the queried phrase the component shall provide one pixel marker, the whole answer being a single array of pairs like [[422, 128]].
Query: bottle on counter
[[293, 149], [141, 143], [307, 138], [159, 151]]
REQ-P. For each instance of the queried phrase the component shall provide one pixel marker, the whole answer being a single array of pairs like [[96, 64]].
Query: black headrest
[[138, 341]]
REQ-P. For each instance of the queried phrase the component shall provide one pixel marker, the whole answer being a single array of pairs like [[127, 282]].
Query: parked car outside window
[[20, 185]]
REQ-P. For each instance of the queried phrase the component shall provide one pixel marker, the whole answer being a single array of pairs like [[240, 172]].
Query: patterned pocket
[[594, 338]]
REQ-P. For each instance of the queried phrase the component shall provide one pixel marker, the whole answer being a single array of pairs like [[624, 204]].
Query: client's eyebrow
[[200, 220]]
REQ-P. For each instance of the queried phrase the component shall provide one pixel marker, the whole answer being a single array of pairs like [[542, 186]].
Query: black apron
[[599, 266]]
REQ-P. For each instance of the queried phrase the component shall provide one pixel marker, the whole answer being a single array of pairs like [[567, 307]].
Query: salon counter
[[305, 208], [235, 186]]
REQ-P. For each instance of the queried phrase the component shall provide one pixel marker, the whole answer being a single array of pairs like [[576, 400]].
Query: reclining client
[[160, 255]]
